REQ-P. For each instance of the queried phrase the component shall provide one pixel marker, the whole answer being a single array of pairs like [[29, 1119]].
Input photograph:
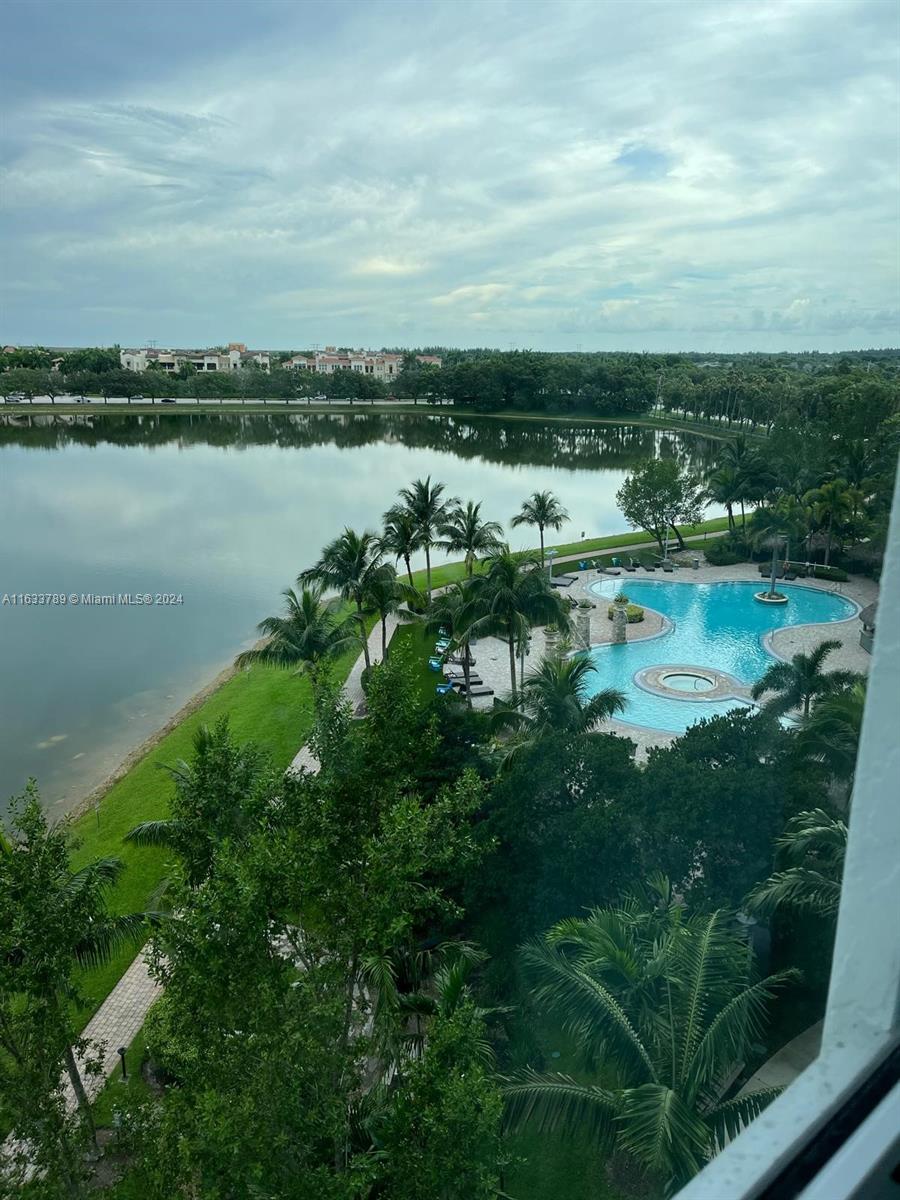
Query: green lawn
[[266, 705], [116, 1089]]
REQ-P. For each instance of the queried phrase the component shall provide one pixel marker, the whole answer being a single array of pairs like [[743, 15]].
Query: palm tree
[[725, 486], [812, 847], [513, 596], [782, 521], [555, 698], [385, 595], [457, 612], [219, 795], [348, 564], [306, 638], [464, 532], [798, 682], [423, 501], [667, 1002], [544, 510], [401, 536], [830, 736], [832, 505]]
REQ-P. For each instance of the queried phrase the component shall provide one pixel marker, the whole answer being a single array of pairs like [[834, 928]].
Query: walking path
[[115, 1024]]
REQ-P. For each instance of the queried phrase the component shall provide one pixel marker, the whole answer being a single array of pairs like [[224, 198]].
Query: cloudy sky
[[655, 174]]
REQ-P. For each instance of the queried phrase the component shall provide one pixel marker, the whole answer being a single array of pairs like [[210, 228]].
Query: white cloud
[[553, 173]]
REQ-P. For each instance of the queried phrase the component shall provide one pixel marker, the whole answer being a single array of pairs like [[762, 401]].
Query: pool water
[[716, 625]]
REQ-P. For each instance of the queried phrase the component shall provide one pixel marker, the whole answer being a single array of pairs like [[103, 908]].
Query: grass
[[421, 648], [266, 705]]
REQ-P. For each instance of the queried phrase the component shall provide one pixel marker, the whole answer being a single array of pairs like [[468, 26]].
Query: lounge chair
[[460, 684], [790, 574], [477, 690], [668, 568], [562, 581], [649, 566], [443, 688], [629, 566], [455, 661], [435, 664]]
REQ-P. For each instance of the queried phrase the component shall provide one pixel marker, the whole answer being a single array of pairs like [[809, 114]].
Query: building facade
[[231, 359]]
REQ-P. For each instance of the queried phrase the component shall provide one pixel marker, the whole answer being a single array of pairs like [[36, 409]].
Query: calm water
[[716, 625], [223, 510]]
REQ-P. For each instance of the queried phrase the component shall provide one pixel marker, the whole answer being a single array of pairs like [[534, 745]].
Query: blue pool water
[[716, 625]]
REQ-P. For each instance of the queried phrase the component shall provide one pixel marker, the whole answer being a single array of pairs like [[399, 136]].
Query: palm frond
[[555, 1101], [665, 1135], [106, 936], [155, 833], [728, 1119], [738, 1022], [799, 888], [588, 1008], [103, 872]]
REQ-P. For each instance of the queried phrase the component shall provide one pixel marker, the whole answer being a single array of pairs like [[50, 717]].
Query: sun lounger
[[443, 688], [434, 664], [610, 571], [460, 684], [455, 661], [668, 568], [477, 690], [563, 581], [649, 566], [629, 566]]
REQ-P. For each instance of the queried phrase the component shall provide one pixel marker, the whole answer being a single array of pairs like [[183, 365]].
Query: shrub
[[725, 551], [633, 613], [836, 574]]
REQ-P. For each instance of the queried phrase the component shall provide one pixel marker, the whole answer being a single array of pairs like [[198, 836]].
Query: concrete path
[[115, 1024], [784, 1066]]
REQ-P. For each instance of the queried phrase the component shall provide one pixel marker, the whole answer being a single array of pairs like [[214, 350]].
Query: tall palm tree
[[427, 506], [384, 595], [464, 532], [543, 510], [514, 596], [798, 682], [309, 634], [349, 564], [812, 848], [832, 506], [779, 523], [401, 536], [725, 486], [830, 735], [668, 1003], [556, 698], [219, 794]]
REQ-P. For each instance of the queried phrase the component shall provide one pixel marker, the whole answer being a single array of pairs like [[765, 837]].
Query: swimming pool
[[714, 625]]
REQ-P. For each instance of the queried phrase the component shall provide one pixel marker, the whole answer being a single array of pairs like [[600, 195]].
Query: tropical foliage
[[665, 1001], [811, 853]]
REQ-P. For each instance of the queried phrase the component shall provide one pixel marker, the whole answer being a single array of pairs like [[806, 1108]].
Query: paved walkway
[[784, 1066], [115, 1024]]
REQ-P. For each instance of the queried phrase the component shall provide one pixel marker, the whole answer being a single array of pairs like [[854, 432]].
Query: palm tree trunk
[[408, 570], [512, 662], [828, 537], [728, 509], [428, 568], [541, 528], [677, 533], [383, 636], [467, 673], [363, 633], [80, 1094], [774, 568]]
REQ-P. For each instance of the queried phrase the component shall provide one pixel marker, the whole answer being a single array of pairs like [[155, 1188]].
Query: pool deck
[[493, 656]]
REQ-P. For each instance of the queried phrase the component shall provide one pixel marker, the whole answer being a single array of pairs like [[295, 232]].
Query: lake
[[224, 511]]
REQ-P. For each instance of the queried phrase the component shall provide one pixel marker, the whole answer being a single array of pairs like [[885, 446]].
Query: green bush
[[725, 551], [633, 613], [836, 574]]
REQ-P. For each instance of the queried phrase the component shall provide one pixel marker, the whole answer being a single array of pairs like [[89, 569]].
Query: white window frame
[[862, 1018]]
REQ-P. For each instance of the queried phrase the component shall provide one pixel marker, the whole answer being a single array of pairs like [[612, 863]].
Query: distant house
[[379, 364], [236, 356]]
